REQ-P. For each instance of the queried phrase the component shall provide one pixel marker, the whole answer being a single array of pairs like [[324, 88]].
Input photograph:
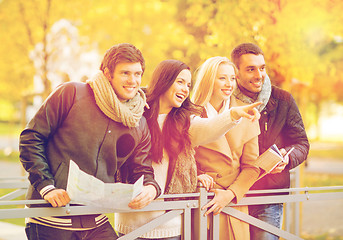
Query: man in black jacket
[[280, 124], [99, 125]]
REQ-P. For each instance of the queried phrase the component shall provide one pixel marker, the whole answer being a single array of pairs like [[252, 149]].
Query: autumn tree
[[301, 39]]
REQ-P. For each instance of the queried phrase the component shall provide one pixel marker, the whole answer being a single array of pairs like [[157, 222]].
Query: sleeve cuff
[[45, 190]]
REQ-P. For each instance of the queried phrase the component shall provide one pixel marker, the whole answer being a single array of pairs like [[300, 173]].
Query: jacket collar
[[263, 96], [271, 105]]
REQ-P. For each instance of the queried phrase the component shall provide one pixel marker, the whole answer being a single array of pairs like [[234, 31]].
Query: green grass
[[322, 237], [336, 154], [321, 180], [10, 129], [326, 150], [9, 157], [17, 221]]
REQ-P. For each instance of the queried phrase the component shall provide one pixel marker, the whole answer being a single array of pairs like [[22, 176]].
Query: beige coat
[[230, 160]]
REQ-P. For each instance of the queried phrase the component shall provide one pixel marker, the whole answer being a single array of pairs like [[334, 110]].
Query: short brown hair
[[123, 52], [244, 48]]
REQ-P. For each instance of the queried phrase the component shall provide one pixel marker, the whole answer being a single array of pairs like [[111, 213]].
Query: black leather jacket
[[281, 123], [69, 125]]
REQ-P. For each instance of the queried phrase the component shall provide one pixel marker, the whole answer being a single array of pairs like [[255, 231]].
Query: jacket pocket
[[61, 176]]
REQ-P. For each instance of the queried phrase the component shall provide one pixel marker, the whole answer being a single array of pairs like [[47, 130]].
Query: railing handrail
[[244, 201], [190, 202], [22, 182]]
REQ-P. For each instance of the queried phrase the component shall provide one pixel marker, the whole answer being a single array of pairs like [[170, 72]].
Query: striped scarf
[[129, 113]]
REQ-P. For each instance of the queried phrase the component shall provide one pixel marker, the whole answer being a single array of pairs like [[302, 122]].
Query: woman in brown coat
[[230, 160]]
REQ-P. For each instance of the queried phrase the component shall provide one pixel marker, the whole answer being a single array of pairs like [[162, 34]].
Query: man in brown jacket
[[99, 125]]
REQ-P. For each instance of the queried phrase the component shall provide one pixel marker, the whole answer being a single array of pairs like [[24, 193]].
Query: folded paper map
[[86, 189]]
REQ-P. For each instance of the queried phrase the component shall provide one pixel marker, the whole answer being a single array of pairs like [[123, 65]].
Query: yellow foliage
[[300, 38]]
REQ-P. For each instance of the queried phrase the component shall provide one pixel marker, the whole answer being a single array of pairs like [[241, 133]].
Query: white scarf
[[212, 112]]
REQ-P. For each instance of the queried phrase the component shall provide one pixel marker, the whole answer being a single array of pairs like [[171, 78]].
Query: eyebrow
[[223, 74], [184, 80], [127, 70], [254, 66], [180, 78]]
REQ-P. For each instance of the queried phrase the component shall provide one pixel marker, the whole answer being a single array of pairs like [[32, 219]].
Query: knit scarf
[[128, 113], [263, 96], [184, 176]]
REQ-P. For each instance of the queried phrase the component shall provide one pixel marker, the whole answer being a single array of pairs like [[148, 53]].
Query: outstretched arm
[[206, 130], [247, 111]]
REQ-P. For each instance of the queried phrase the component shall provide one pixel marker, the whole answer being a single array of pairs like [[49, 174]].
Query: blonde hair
[[205, 77]]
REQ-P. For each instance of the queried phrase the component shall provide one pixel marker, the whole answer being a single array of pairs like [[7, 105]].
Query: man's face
[[251, 73], [126, 80]]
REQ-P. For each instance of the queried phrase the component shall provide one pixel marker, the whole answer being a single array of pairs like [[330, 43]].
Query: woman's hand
[[220, 200], [248, 111], [207, 181]]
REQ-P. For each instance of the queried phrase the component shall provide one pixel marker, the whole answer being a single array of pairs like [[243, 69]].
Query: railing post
[[187, 224], [215, 227], [287, 211], [296, 208], [292, 210], [200, 221]]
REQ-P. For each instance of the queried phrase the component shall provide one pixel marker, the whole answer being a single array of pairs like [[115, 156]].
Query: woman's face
[[223, 84], [177, 93]]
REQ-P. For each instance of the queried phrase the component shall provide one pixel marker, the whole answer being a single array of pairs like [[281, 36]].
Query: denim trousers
[[269, 213], [40, 232], [168, 238]]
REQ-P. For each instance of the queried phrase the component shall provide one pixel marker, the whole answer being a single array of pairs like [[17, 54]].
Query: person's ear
[[107, 73], [237, 76]]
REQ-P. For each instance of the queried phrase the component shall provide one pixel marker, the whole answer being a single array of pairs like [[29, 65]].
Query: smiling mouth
[[257, 83], [227, 91], [129, 88], [181, 97]]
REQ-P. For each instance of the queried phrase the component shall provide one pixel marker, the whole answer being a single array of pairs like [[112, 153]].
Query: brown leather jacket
[[69, 125]]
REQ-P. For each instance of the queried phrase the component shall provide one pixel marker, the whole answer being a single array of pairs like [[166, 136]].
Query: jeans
[[40, 232], [269, 213], [168, 238]]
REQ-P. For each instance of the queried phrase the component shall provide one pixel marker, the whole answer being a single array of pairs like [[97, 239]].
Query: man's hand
[[207, 181], [220, 200], [281, 166], [57, 197], [144, 198], [248, 111]]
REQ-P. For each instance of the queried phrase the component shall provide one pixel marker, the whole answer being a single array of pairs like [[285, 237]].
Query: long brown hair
[[174, 137]]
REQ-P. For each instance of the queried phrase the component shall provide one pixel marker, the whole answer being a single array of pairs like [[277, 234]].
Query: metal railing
[[195, 224]]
